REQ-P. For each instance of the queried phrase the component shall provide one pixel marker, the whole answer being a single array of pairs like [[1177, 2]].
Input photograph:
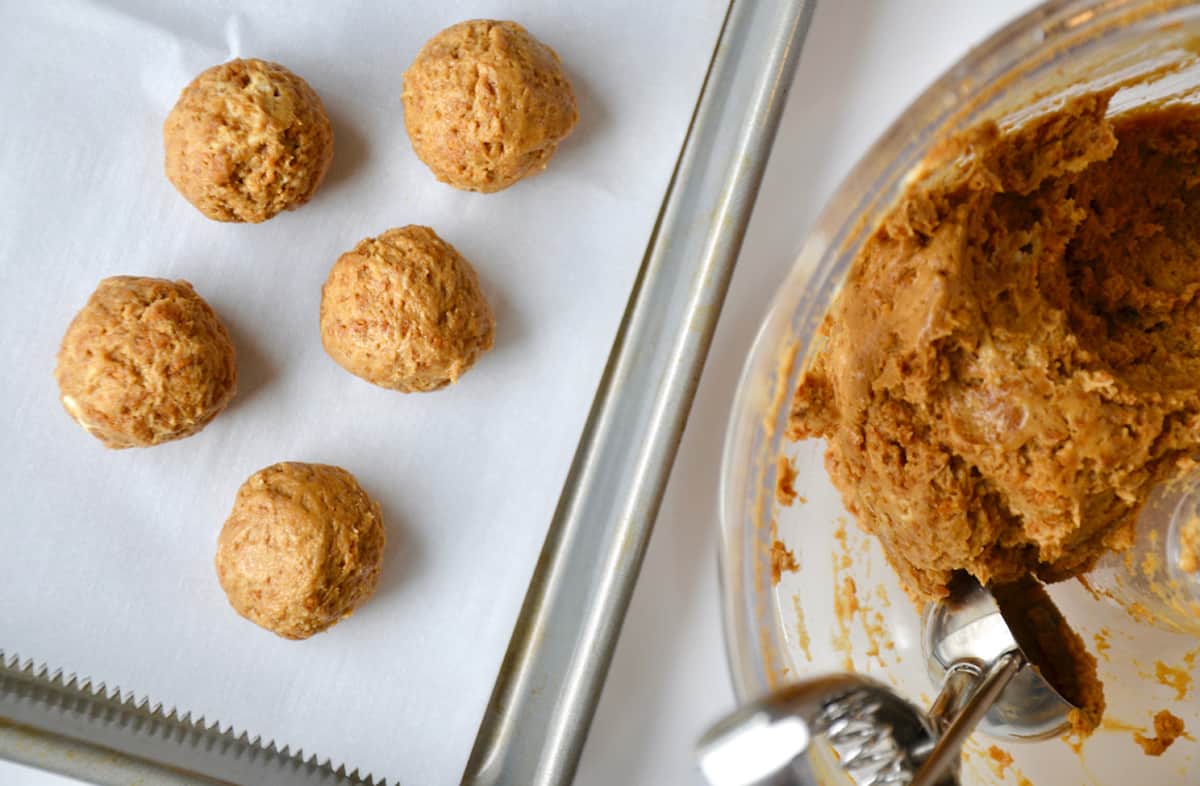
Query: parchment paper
[[106, 557]]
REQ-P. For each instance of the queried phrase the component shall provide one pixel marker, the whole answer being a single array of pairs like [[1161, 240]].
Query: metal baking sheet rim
[[84, 730]]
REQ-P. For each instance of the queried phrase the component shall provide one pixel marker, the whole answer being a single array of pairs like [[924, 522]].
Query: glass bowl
[[843, 608]]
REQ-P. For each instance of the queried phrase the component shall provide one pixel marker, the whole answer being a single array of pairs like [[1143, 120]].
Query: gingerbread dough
[[1014, 360], [405, 311], [301, 549], [486, 104], [246, 140], [144, 362]]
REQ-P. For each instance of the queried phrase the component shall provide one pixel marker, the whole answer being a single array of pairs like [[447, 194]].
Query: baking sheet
[[105, 557]]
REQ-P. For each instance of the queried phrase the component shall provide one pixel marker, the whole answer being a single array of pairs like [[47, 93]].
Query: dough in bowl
[[301, 549], [405, 311], [145, 361], [486, 104], [1013, 363], [246, 140]]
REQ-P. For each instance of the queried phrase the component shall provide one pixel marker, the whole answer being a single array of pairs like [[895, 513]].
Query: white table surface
[[864, 62]]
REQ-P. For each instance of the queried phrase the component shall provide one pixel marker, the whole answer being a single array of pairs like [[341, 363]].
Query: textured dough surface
[[1167, 729], [486, 104], [145, 361], [1014, 360], [405, 311], [246, 140], [301, 549]]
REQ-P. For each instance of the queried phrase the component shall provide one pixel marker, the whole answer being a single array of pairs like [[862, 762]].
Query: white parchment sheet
[[106, 556]]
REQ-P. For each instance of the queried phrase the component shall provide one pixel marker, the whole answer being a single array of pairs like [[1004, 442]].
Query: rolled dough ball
[[301, 549], [404, 311], [486, 104], [246, 140], [144, 362]]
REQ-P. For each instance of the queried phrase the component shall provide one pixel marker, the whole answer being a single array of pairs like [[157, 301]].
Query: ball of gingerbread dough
[[404, 311], [301, 549], [246, 140], [144, 362], [486, 104]]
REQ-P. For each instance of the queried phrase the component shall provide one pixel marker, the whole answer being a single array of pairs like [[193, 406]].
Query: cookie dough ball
[[486, 104], [301, 549], [144, 362], [404, 310], [246, 140]]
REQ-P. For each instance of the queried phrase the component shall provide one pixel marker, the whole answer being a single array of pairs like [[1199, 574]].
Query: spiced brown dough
[[486, 104], [246, 140], [301, 549], [405, 311], [1167, 729], [1014, 360], [145, 361]]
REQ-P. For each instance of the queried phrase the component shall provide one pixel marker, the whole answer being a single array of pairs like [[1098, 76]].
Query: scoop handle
[[975, 700]]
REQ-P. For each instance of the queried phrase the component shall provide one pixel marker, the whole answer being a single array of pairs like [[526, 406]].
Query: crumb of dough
[[145, 361], [301, 549], [1167, 729], [1001, 760], [486, 104], [246, 140], [803, 639], [1138, 611], [1012, 364], [1054, 649], [1178, 679], [785, 485], [1189, 545], [405, 311], [782, 560]]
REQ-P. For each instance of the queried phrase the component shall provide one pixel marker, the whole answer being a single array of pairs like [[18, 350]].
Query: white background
[[864, 61]]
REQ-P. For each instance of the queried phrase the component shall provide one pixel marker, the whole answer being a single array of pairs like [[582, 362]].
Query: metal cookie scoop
[[813, 731], [966, 637], [849, 729]]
